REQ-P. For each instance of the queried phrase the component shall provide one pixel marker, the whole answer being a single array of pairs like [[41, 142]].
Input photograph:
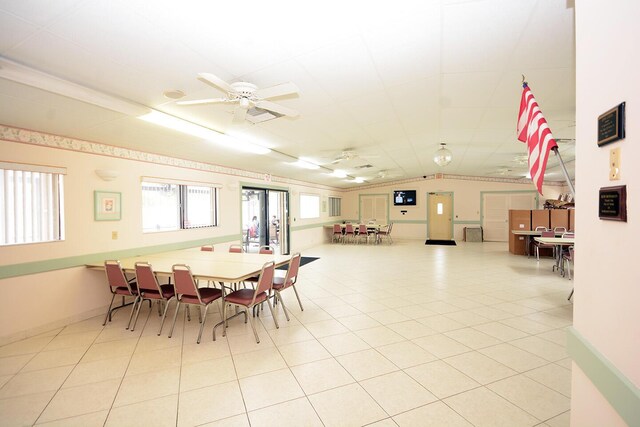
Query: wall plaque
[[613, 203], [611, 125]]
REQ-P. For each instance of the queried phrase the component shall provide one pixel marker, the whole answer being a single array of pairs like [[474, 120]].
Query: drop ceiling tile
[[461, 118], [407, 63], [37, 13], [370, 108], [503, 118], [468, 89], [13, 30]]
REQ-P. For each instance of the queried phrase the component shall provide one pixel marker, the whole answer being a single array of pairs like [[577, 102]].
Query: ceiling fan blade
[[277, 90], [239, 114], [204, 101], [215, 81], [272, 106]]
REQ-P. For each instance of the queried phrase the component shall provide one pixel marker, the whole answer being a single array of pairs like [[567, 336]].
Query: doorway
[[265, 219], [439, 216], [495, 212]]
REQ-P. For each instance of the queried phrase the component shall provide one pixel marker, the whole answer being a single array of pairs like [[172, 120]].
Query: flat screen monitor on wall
[[404, 197]]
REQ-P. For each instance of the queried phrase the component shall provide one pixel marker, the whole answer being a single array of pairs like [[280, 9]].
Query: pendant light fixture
[[443, 156]]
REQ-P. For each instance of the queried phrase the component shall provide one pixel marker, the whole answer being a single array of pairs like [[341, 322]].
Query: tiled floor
[[400, 335]]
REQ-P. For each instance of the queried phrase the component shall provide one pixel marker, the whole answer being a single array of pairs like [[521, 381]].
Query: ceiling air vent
[[364, 167], [258, 115]]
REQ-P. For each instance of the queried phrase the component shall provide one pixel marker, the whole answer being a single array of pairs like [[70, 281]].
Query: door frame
[[388, 219], [482, 193], [267, 188], [452, 209]]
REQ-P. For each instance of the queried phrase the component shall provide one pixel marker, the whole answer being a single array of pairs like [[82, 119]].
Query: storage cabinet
[[572, 220], [539, 218], [559, 218], [518, 220]]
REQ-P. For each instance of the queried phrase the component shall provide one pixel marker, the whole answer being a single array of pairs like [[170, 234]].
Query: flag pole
[[564, 171]]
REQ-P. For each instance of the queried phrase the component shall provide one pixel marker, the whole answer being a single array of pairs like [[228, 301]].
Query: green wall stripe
[[316, 225], [34, 267], [621, 393], [467, 222], [408, 221]]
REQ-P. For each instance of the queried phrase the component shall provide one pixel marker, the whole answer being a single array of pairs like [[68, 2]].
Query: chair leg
[[204, 318], [164, 315], [570, 295], [175, 316], [273, 314], [137, 314], [284, 308], [108, 316], [255, 333], [297, 296], [136, 300]]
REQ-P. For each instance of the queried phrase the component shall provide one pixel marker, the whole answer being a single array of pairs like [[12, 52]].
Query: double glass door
[[265, 219]]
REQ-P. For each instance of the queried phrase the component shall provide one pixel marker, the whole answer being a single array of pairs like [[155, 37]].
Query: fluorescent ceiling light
[[28, 76], [305, 164], [184, 126], [358, 180], [339, 173]]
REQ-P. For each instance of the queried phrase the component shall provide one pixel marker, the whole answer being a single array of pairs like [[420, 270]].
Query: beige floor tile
[[481, 368], [312, 315], [13, 364], [268, 389], [481, 407], [490, 312], [435, 414], [562, 420], [441, 345], [397, 392], [85, 399], [117, 333], [235, 421], [72, 340], [526, 325], [92, 324], [417, 311], [472, 338], [349, 405], [326, 328], [258, 362], [157, 413], [387, 317], [293, 413], [441, 307], [366, 364], [542, 348], [514, 309], [303, 352], [381, 335], [209, 404], [441, 323], [467, 318], [110, 349], [155, 360], [35, 382], [246, 342], [533, 397], [342, 310], [322, 375], [206, 350], [513, 357], [23, 410], [553, 376], [155, 342], [206, 373], [54, 358], [369, 306], [292, 334], [26, 346], [411, 329], [358, 322], [556, 336], [147, 386], [344, 343], [500, 331], [5, 379], [98, 371], [405, 354], [95, 419], [566, 363], [441, 379]]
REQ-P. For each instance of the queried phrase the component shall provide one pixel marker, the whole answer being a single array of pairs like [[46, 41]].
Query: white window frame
[[31, 207], [309, 206]]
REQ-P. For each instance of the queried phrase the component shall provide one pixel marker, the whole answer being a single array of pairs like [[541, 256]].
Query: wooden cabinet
[[540, 218], [572, 220], [518, 220], [559, 218]]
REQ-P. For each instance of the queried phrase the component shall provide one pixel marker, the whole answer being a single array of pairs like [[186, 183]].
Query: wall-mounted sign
[[612, 203], [611, 125]]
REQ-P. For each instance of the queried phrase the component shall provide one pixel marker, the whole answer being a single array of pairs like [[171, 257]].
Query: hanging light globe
[[443, 156]]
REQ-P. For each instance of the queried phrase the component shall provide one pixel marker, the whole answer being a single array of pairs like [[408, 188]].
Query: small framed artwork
[[106, 206]]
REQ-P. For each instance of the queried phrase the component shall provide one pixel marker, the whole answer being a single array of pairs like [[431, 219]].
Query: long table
[[215, 266], [532, 233], [559, 242]]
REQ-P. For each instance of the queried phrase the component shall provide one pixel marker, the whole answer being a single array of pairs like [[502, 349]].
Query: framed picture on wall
[[107, 206]]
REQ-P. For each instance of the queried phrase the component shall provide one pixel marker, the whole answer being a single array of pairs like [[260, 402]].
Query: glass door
[[265, 219]]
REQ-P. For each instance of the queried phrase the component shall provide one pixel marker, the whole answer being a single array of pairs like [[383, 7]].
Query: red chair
[[337, 233], [187, 292], [349, 232], [207, 248], [363, 233], [264, 250], [538, 245], [236, 249], [119, 285], [289, 281], [385, 233], [150, 289], [249, 298]]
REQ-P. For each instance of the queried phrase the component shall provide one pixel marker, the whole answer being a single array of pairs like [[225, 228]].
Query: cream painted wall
[[73, 294], [607, 283]]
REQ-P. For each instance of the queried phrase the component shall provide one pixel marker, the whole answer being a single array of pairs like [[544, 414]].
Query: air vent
[[364, 166], [258, 115]]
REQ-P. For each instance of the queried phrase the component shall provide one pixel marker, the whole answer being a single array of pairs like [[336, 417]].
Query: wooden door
[[440, 214], [495, 213], [374, 207]]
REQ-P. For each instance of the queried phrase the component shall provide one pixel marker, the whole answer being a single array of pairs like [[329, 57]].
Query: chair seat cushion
[[278, 283], [252, 279], [244, 297], [167, 292], [123, 290], [207, 295]]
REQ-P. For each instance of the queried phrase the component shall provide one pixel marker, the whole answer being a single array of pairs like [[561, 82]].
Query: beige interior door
[[374, 207], [440, 216], [495, 213]]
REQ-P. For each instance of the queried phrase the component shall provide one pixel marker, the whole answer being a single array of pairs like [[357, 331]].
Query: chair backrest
[[349, 228], [362, 229], [548, 233], [115, 275], [569, 235], [265, 281], [146, 278], [292, 271], [235, 249], [560, 229], [207, 248], [183, 281], [390, 227], [266, 250], [337, 229], [541, 228]]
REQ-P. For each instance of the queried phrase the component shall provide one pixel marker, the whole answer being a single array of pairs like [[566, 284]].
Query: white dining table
[[559, 242]]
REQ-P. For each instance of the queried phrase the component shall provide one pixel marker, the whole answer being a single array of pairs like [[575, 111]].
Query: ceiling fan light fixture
[[305, 164], [338, 173], [358, 180], [443, 156]]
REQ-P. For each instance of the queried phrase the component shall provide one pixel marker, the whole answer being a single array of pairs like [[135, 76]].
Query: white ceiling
[[389, 82]]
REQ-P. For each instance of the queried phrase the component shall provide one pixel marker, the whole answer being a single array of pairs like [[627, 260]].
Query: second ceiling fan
[[246, 96]]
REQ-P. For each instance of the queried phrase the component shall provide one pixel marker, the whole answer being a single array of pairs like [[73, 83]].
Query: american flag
[[534, 130]]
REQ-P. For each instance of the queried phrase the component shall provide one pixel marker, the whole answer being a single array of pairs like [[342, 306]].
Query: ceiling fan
[[246, 96], [350, 154]]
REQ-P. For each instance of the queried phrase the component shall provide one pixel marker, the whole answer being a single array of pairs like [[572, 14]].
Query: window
[[335, 206], [168, 206], [31, 203], [309, 206], [440, 208]]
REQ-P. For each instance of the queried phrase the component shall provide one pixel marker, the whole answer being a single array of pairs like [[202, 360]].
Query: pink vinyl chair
[[249, 298], [187, 292], [538, 245], [349, 232], [119, 285], [363, 233], [337, 233], [150, 289], [236, 249], [289, 281], [264, 250], [207, 248]]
